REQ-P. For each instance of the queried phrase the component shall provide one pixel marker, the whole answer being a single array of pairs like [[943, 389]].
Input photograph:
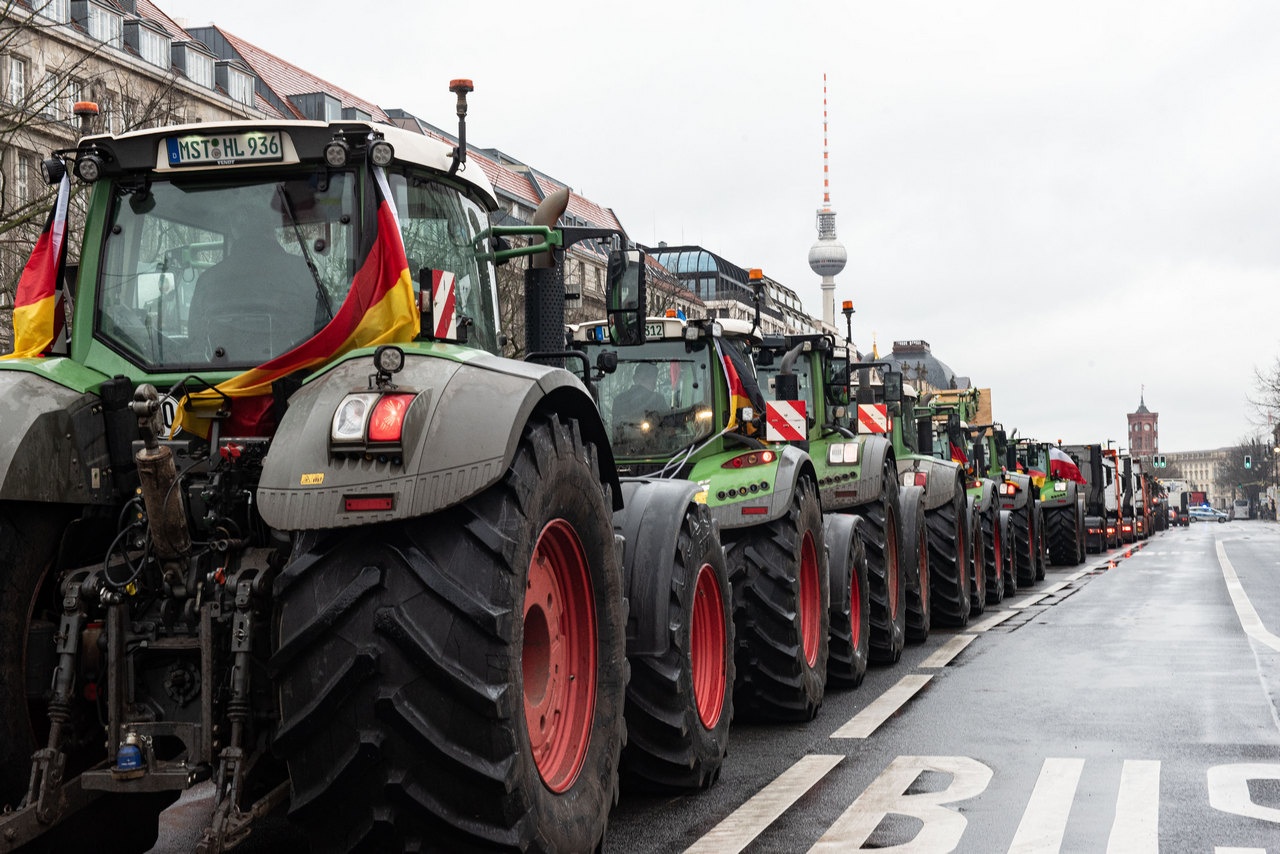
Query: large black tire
[[1010, 540], [977, 560], [947, 531], [781, 592], [458, 681], [849, 616], [1024, 545], [1041, 548], [1061, 531], [915, 562], [679, 704], [30, 607], [994, 557], [881, 533]]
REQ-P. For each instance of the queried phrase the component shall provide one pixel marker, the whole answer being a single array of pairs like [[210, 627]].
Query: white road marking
[[748, 821], [882, 708], [1137, 824], [1053, 588], [1029, 601], [991, 622], [942, 827], [1076, 576], [1249, 619], [942, 655], [1044, 821], [1229, 790]]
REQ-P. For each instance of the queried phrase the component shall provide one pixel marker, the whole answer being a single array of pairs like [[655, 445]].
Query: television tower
[[827, 256]]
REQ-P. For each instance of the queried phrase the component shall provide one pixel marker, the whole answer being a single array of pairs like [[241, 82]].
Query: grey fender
[[53, 443], [875, 450], [987, 497], [1024, 489], [652, 514], [940, 485], [460, 436], [793, 464], [838, 531]]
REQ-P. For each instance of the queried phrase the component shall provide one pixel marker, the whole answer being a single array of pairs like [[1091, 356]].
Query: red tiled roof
[[287, 79], [152, 12]]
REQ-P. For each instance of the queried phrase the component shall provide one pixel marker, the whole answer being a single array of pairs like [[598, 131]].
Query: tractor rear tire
[[994, 554], [1024, 546], [915, 552], [948, 537], [849, 616], [881, 534], [781, 592], [1061, 533], [458, 681], [977, 562], [679, 703]]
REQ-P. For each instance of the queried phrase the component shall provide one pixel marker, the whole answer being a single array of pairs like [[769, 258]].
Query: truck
[[277, 514]]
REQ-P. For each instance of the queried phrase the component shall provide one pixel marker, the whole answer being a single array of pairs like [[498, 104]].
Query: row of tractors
[[361, 568]]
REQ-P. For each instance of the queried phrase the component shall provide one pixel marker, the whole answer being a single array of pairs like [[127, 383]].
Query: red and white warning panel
[[873, 418], [785, 421], [443, 306]]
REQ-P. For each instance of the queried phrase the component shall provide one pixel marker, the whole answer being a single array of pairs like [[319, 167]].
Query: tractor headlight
[[351, 417]]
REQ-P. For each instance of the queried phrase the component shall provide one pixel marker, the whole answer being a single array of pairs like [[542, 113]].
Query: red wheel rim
[[810, 600], [707, 640], [558, 660]]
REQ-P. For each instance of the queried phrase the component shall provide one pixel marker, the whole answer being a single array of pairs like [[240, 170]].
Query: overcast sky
[[1068, 201]]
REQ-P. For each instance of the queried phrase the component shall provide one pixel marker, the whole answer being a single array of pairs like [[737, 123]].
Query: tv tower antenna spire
[[827, 256]]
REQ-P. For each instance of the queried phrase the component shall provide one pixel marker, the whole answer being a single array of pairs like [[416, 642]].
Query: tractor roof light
[[52, 169], [381, 153], [89, 166], [337, 152]]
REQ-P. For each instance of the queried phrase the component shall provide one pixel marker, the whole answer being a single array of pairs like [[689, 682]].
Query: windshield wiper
[[306, 255]]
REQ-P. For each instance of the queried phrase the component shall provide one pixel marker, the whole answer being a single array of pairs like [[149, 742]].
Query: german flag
[[743, 388], [38, 306], [380, 308]]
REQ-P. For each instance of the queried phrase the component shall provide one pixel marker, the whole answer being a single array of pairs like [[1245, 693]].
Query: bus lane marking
[[748, 821], [1044, 822], [867, 721], [942, 656], [1137, 824]]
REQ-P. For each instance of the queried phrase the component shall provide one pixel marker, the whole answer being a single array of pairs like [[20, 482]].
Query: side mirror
[[625, 296], [892, 387]]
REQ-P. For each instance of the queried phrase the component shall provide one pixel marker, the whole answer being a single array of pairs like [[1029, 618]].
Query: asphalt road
[[1126, 705]]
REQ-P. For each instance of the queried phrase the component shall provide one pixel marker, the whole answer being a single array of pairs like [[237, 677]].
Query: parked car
[[1206, 514]]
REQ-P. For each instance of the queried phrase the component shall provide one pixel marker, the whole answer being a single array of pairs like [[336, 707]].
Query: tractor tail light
[[387, 421]]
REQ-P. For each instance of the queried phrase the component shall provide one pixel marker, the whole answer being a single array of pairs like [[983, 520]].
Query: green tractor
[[1062, 500], [281, 517], [683, 403], [858, 483], [953, 413], [933, 501]]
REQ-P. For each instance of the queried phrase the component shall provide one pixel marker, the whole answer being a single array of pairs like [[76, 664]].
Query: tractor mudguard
[[650, 520], [1024, 491], [53, 443], [792, 462], [1065, 498], [940, 486], [987, 496], [459, 436], [871, 463]]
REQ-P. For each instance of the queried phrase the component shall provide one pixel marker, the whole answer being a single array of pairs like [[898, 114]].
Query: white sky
[[1068, 201]]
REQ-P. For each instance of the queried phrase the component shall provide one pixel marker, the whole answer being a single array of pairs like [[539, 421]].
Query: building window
[[54, 10], [21, 179], [200, 69], [16, 90], [153, 47], [240, 86], [106, 26], [46, 102], [73, 94]]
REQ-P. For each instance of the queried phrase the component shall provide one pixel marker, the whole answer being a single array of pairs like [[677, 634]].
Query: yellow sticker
[[313, 479], [700, 497]]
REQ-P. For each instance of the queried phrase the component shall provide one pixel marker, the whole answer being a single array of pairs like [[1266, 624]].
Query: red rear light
[[367, 503], [387, 420], [755, 458], [922, 478]]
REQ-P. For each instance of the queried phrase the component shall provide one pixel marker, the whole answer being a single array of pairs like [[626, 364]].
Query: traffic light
[[1248, 461], [1159, 461]]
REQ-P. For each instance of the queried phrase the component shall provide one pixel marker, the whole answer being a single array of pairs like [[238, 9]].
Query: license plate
[[225, 149]]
